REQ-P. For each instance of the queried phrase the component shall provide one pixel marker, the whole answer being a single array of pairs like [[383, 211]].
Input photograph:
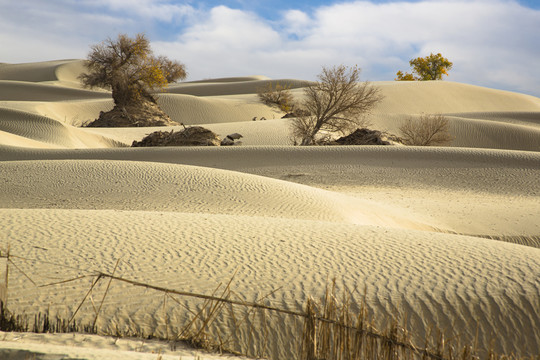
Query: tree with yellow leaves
[[431, 67], [128, 68]]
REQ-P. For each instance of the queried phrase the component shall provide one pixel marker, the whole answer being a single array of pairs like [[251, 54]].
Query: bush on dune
[[429, 130]]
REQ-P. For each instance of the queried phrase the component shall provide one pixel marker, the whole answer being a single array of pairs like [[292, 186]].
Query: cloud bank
[[492, 43]]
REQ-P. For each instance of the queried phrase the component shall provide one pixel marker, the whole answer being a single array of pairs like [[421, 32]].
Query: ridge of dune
[[512, 173], [236, 157], [70, 71], [33, 71], [487, 133], [524, 118], [472, 191], [74, 113], [228, 79], [416, 97], [99, 184], [46, 130], [229, 88], [19, 90], [195, 110]]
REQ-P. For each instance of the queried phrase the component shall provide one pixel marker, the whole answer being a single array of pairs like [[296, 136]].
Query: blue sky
[[492, 43]]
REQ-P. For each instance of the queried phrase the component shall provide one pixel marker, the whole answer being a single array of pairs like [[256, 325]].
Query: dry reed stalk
[[94, 283], [197, 330], [105, 295], [6, 279], [165, 315]]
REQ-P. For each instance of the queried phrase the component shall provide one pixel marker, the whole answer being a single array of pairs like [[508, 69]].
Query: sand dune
[[35, 72], [46, 130], [18, 90], [415, 97], [464, 194], [435, 278], [160, 187], [404, 223], [224, 87]]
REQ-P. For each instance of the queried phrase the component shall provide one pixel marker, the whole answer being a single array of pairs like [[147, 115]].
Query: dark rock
[[367, 137], [191, 136]]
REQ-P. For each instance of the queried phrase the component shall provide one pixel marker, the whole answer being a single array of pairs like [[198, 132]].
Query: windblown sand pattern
[[435, 233]]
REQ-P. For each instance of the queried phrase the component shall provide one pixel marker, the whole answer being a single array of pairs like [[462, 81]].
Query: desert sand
[[449, 236]]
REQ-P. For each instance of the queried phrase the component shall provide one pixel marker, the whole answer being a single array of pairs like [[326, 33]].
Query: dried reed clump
[[333, 331], [429, 130]]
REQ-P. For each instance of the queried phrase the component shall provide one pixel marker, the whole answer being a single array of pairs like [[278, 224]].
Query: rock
[[235, 136], [367, 137], [191, 136], [229, 139]]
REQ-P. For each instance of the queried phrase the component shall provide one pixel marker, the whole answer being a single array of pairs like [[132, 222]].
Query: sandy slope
[[22, 346], [385, 219]]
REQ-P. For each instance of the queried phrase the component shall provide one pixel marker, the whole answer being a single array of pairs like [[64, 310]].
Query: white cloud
[[161, 10], [491, 42], [297, 23]]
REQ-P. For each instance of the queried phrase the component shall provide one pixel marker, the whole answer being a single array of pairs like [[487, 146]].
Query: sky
[[492, 43]]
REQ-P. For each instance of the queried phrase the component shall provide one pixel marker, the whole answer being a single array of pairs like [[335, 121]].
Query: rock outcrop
[[191, 136], [367, 137], [142, 114]]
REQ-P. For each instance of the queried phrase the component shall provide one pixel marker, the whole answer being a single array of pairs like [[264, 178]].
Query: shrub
[[278, 95], [429, 130]]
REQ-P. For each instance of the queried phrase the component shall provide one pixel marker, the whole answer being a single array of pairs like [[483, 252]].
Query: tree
[[129, 69], [429, 130], [335, 103], [431, 67]]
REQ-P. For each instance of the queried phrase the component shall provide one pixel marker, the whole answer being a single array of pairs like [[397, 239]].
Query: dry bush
[[278, 95], [336, 103], [429, 130]]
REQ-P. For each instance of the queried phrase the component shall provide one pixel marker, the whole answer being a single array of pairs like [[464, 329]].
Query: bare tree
[[129, 69], [335, 103], [429, 130]]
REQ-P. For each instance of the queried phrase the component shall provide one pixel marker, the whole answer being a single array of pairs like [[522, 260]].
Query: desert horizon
[[447, 236]]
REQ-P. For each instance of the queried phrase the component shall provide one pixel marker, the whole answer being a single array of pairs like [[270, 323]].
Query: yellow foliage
[[128, 67], [404, 77], [431, 67]]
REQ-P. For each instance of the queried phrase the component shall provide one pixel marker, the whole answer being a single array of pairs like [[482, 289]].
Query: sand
[[448, 235]]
